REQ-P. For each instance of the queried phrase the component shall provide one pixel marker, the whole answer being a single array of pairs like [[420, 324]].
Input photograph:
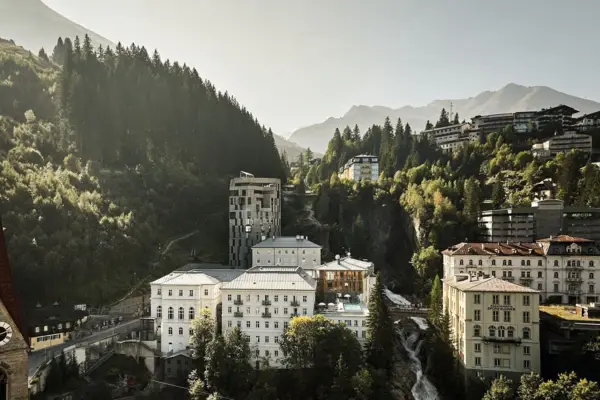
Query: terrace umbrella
[[321, 304], [331, 305]]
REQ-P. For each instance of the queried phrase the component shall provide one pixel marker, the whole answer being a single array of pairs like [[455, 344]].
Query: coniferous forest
[[107, 155]]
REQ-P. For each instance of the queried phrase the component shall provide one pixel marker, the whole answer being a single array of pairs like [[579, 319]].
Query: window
[[462, 262], [495, 315], [526, 364], [476, 331], [229, 309], [276, 339], [478, 361], [497, 349], [276, 353], [480, 262], [285, 298], [556, 263], [37, 328], [591, 263], [158, 291], [510, 262], [506, 316], [304, 311], [276, 298], [170, 331], [539, 263], [258, 339], [539, 285], [526, 317], [526, 333], [493, 262], [522, 263], [239, 324], [191, 293], [510, 332], [258, 324], [285, 310], [170, 313], [170, 292], [497, 362], [591, 275], [504, 262], [492, 331], [470, 262], [229, 324], [206, 292], [304, 299], [181, 313], [526, 350], [266, 339], [501, 331], [540, 274], [228, 297], [158, 315], [285, 325], [180, 292], [191, 313], [556, 275], [495, 299], [275, 310], [556, 287], [257, 353], [477, 299], [266, 353], [276, 325], [181, 331], [267, 324], [526, 300], [477, 315], [247, 324], [477, 347], [507, 300]]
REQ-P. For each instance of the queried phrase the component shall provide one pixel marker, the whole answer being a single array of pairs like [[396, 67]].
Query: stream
[[422, 389]]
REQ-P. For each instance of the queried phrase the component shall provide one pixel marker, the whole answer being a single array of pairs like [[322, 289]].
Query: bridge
[[398, 312]]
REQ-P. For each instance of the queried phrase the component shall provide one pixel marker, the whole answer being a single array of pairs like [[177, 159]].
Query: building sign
[[501, 307], [579, 215]]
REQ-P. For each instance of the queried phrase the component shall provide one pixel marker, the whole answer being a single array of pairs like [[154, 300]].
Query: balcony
[[295, 303], [294, 315], [508, 278], [496, 339], [266, 315], [238, 314], [238, 302], [574, 267], [526, 281], [266, 302], [577, 280]]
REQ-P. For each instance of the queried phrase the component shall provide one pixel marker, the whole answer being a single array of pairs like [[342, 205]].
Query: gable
[[17, 340]]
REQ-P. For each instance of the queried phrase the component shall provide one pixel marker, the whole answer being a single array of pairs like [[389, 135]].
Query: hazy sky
[[297, 62]]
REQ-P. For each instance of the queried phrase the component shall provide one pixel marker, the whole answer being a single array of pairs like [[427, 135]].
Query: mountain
[[291, 149], [510, 98], [34, 25]]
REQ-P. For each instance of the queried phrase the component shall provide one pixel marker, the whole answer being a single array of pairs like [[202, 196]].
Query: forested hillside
[[107, 154], [426, 200]]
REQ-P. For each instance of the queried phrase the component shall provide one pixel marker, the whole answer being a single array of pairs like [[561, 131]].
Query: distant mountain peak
[[510, 98]]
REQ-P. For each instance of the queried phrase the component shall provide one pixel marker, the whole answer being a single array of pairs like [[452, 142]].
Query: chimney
[[337, 257]]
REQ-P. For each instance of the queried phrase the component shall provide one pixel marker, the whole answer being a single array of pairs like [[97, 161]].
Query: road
[[36, 358]]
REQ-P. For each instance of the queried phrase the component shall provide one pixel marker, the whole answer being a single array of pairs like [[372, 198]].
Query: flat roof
[[272, 278], [286, 242], [198, 277]]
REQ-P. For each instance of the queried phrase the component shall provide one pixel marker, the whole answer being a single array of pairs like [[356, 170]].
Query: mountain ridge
[[510, 98]]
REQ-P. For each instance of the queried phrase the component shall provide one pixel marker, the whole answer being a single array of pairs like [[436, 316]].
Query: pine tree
[[444, 120], [456, 119], [42, 54], [497, 192], [380, 332], [435, 300], [58, 53], [428, 125], [471, 198]]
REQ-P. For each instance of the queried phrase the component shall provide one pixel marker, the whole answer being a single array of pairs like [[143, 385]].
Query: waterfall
[[422, 389]]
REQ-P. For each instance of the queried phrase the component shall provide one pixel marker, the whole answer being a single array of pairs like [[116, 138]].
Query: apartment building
[[450, 137], [543, 219], [587, 122], [53, 324], [286, 251], [563, 144], [561, 268], [262, 301], [361, 167], [487, 124], [495, 326], [353, 315], [177, 298], [254, 213], [559, 118]]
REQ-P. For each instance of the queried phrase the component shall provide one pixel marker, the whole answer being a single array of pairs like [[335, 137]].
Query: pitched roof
[[198, 277], [346, 264], [496, 249], [272, 278], [565, 239], [491, 284], [286, 242], [7, 289]]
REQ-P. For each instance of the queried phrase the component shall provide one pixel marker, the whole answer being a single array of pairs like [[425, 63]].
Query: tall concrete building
[[254, 215]]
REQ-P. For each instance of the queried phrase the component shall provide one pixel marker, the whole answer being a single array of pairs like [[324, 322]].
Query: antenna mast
[[451, 112]]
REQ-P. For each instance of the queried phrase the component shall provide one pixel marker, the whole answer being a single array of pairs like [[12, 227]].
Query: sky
[[294, 63]]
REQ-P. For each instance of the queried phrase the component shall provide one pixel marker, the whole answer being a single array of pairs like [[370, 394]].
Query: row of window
[[46, 338], [527, 263], [38, 329], [180, 313], [279, 261], [170, 331], [248, 324], [503, 363], [170, 292], [286, 251], [502, 349], [506, 299], [267, 311], [501, 332], [266, 297]]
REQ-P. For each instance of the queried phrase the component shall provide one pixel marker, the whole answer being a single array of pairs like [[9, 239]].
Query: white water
[[422, 389]]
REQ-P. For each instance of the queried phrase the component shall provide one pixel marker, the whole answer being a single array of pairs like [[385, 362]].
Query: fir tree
[[456, 119], [444, 120], [428, 125], [380, 332], [42, 54]]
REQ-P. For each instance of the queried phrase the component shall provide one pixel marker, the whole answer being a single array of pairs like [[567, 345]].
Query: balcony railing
[[266, 302], [295, 303], [573, 266], [266, 315], [238, 314], [574, 280], [509, 278], [496, 339], [293, 315], [238, 302]]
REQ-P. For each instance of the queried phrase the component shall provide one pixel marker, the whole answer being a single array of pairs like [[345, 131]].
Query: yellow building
[[52, 325], [495, 325]]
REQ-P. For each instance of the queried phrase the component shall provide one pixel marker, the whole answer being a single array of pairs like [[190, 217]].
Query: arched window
[[510, 331], [170, 313], [522, 263], [192, 313], [181, 331], [470, 262], [159, 312], [556, 275], [556, 263], [539, 263], [569, 263], [170, 331], [480, 262], [509, 262], [501, 331], [181, 313], [526, 333], [462, 262], [476, 330], [591, 263], [493, 262], [492, 331]]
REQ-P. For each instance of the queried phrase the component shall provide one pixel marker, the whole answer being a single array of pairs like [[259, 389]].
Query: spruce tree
[[428, 125], [456, 119], [380, 331], [42, 54]]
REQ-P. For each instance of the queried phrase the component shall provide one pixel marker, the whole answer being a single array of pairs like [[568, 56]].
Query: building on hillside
[[563, 144], [559, 118], [587, 122], [487, 124], [286, 251], [361, 167], [544, 190], [451, 137], [254, 213], [13, 334], [177, 298], [495, 326], [524, 122], [340, 277], [53, 324], [261, 303], [543, 219], [353, 314], [561, 268]]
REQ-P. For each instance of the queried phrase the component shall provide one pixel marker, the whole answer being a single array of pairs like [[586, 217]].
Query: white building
[[561, 268], [495, 326], [451, 137], [288, 251], [254, 213], [361, 167], [588, 122], [261, 303], [354, 315], [177, 298], [563, 144]]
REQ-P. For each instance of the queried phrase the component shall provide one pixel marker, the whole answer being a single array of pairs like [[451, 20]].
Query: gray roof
[[488, 285], [346, 264], [272, 278], [195, 266], [199, 277], [286, 242]]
